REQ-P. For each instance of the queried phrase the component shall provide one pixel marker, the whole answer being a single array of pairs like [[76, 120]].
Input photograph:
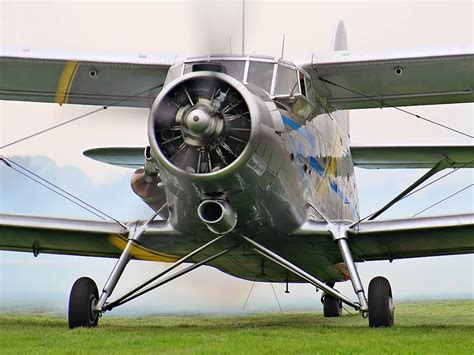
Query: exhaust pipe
[[218, 216]]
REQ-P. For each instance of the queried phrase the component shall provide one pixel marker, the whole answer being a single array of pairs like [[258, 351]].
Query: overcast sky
[[165, 29]]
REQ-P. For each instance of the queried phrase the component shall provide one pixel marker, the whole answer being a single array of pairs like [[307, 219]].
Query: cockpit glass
[[286, 81], [261, 74], [234, 68], [188, 68]]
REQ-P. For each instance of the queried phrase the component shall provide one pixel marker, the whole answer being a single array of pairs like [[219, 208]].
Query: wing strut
[[441, 165], [134, 237], [299, 272], [101, 307], [383, 104]]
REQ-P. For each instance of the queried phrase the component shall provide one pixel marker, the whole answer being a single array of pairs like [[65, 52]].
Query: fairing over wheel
[[381, 307], [82, 300]]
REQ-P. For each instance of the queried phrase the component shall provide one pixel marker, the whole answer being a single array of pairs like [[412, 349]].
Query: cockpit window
[[286, 82], [234, 68], [188, 68], [302, 84], [260, 74]]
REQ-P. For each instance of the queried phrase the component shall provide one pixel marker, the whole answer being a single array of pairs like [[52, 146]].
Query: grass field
[[431, 327]]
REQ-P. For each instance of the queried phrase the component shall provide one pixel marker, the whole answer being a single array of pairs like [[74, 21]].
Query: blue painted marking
[[289, 122], [313, 162], [300, 130], [316, 166]]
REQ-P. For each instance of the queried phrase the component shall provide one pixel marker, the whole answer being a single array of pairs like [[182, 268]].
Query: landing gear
[[82, 301], [332, 306], [329, 291], [85, 305], [381, 307]]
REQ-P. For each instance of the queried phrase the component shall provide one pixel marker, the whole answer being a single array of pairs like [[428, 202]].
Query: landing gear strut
[[85, 305], [340, 236], [379, 308]]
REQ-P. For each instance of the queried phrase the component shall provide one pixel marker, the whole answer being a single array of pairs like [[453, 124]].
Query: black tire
[[83, 296], [381, 308], [332, 307]]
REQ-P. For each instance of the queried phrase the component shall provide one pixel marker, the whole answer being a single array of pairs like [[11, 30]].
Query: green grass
[[430, 327]]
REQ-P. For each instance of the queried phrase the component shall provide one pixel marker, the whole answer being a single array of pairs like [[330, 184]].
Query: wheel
[[332, 306], [82, 300], [381, 307]]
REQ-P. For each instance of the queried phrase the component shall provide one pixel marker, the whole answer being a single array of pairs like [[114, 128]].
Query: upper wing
[[75, 237], [350, 80], [416, 157], [77, 80], [413, 237]]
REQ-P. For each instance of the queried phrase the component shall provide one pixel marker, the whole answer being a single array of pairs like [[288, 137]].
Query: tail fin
[[339, 43]]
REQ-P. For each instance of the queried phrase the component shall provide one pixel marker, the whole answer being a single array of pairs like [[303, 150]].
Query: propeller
[[202, 124], [219, 26]]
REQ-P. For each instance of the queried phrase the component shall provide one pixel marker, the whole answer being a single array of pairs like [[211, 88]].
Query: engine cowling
[[201, 123], [216, 139]]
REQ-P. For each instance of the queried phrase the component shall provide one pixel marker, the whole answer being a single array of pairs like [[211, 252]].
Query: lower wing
[[369, 240], [413, 237], [76, 237]]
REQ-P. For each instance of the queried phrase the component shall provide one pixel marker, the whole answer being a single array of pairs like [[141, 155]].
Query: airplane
[[249, 168]]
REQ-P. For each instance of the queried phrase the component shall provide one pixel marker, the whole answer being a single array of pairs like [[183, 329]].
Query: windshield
[[286, 81], [261, 74], [234, 68], [257, 71]]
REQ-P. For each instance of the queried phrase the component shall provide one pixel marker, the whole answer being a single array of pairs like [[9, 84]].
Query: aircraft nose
[[201, 123]]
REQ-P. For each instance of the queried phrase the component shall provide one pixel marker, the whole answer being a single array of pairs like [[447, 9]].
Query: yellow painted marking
[[141, 252], [65, 82], [323, 190]]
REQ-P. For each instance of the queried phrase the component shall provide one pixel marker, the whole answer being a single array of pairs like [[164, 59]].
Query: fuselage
[[286, 162]]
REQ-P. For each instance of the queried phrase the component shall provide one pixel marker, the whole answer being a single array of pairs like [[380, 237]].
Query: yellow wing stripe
[[139, 251], [65, 82]]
